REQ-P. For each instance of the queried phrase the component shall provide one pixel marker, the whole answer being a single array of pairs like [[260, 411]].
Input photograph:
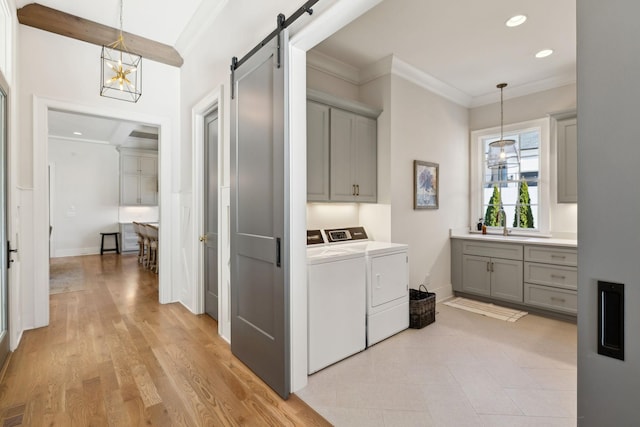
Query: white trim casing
[[213, 100], [476, 165], [41, 106]]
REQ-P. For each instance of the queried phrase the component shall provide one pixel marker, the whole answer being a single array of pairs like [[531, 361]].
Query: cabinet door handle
[[558, 256], [488, 266], [353, 189], [558, 276], [558, 299], [357, 189]]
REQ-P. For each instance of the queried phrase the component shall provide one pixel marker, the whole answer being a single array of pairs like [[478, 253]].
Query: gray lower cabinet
[[545, 277], [493, 277], [551, 278]]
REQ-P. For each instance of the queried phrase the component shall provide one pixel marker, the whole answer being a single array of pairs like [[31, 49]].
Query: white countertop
[[547, 241]]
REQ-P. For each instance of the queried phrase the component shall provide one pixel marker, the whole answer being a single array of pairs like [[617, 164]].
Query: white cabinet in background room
[[129, 238], [342, 147], [138, 178]]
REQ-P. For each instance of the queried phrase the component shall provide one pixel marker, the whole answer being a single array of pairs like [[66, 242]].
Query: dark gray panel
[[255, 155], [255, 293], [211, 214]]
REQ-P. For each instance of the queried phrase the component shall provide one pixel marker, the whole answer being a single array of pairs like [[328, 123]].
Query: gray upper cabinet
[[138, 178], [567, 145], [342, 150], [353, 157], [317, 152]]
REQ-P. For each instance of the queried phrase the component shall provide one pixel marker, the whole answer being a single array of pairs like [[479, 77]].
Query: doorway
[[40, 231]]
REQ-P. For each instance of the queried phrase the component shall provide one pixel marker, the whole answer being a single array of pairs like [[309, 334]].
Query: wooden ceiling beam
[[52, 20]]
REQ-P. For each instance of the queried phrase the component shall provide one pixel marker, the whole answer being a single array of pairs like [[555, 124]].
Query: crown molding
[[427, 81], [328, 65], [525, 89], [391, 64]]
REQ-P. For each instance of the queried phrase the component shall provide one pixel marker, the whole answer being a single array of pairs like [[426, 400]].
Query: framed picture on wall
[[425, 185]]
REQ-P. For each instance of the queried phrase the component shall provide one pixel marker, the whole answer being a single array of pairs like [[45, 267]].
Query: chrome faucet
[[503, 214]]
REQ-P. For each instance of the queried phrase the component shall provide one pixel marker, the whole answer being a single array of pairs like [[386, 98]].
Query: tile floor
[[463, 370]]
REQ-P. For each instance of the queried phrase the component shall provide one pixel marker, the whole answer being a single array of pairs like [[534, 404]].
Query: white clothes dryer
[[387, 275]]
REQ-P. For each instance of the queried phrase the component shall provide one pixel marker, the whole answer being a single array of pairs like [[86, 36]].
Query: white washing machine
[[387, 271], [336, 303]]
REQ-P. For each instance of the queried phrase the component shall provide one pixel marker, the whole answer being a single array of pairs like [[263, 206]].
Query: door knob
[[203, 238]]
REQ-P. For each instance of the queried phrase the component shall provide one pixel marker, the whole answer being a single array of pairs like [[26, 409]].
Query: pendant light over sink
[[121, 74], [503, 151]]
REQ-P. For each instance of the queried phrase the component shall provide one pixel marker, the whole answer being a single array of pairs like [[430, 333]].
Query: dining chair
[[152, 234], [141, 242]]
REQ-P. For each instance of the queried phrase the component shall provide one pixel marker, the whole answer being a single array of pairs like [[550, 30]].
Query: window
[[519, 187]]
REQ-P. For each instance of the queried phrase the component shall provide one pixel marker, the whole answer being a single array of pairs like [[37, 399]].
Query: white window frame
[[544, 175]]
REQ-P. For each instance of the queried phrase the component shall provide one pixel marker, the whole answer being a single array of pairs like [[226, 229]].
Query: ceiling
[[465, 44], [462, 44], [159, 20], [101, 130]]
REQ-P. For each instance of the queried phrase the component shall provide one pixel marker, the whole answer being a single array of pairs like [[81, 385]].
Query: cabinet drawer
[[551, 275], [493, 250], [556, 299], [551, 255]]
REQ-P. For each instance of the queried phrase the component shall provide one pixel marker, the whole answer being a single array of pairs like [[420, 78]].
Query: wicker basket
[[422, 308]]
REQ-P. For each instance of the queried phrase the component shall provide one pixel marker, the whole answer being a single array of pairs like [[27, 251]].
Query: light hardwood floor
[[112, 355]]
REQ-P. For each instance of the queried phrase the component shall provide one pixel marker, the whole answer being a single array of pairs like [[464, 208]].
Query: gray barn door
[[210, 237], [259, 273]]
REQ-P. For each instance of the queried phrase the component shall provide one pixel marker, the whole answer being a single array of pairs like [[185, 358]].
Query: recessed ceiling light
[[544, 53], [78, 133], [516, 20]]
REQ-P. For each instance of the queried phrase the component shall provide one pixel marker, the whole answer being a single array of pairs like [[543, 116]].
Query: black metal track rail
[[282, 23]]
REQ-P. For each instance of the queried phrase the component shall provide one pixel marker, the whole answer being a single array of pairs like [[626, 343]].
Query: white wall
[[56, 70], [85, 199], [563, 217], [427, 127], [609, 200]]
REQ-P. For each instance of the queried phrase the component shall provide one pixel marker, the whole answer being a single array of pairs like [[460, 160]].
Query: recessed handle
[[278, 255]]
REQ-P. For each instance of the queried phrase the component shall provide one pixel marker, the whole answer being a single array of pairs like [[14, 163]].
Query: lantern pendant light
[[121, 74], [502, 151]]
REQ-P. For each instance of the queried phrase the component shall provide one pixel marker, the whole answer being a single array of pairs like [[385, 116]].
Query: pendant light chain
[[121, 14], [501, 104]]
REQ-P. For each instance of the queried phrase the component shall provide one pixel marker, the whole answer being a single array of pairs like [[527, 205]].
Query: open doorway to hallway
[[103, 176]]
